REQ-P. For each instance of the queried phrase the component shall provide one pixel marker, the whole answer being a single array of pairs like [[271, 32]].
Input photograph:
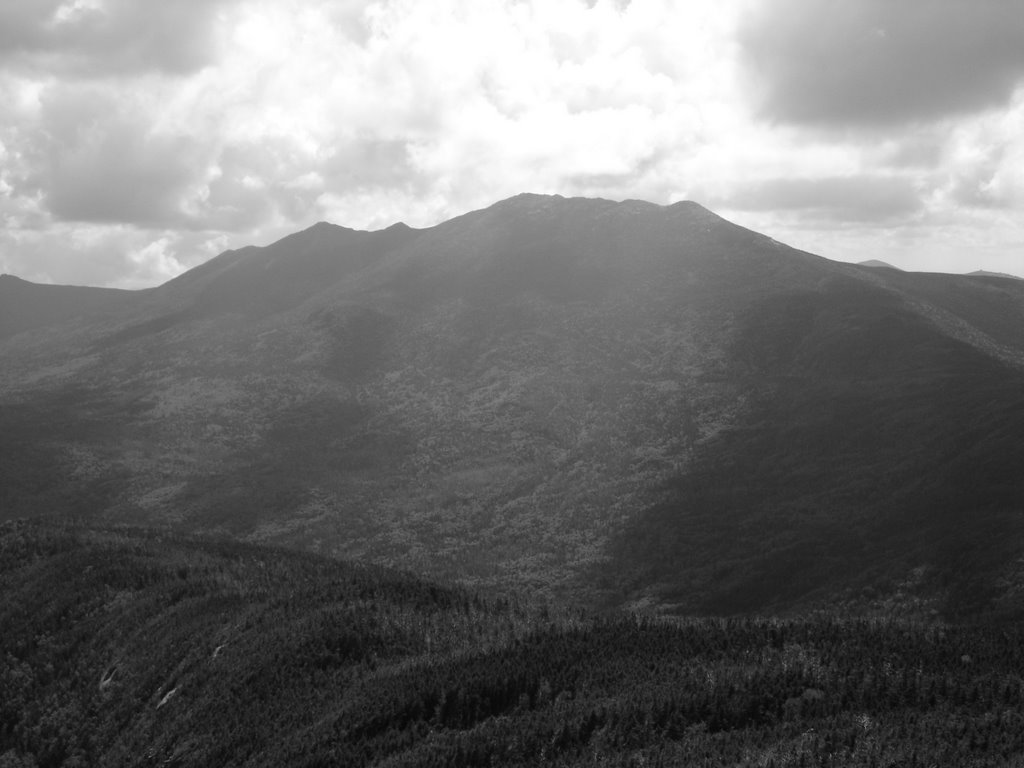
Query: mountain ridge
[[522, 201], [609, 402], [25, 306]]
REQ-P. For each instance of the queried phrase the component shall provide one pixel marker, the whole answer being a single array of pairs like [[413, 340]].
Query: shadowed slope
[[25, 305], [125, 648], [878, 452], [594, 399]]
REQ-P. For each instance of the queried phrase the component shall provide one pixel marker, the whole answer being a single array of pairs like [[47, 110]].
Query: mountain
[[25, 306], [876, 263], [985, 273], [125, 647], [607, 402]]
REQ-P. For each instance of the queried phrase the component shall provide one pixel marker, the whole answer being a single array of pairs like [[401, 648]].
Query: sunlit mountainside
[[612, 403]]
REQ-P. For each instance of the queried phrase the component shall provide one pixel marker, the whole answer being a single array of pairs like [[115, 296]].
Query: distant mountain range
[[985, 273], [876, 263], [25, 306], [614, 403], [976, 273]]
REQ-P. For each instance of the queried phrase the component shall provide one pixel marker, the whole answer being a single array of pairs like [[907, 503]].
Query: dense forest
[[124, 647]]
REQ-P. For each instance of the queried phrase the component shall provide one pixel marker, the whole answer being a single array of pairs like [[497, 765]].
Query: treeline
[[128, 648]]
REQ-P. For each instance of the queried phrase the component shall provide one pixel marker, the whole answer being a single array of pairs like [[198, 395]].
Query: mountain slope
[[880, 451], [607, 401], [129, 648], [25, 306], [986, 273]]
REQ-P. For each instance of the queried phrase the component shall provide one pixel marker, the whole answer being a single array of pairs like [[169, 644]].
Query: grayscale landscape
[[573, 384]]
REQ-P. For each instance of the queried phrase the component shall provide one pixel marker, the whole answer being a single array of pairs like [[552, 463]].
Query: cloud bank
[[137, 140], [88, 38], [880, 63]]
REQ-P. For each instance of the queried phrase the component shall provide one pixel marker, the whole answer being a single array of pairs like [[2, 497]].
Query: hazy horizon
[[138, 140], [866, 262]]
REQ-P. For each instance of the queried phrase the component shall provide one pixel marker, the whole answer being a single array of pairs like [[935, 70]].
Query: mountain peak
[[529, 201], [527, 197], [987, 273], [605, 398], [328, 227], [688, 205], [532, 201]]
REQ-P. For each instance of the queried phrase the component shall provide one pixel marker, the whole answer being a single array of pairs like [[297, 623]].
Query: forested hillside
[[611, 403], [129, 648]]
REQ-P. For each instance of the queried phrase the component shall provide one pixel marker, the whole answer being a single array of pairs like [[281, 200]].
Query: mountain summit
[[611, 401]]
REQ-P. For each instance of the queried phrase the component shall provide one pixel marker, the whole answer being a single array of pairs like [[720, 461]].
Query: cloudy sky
[[141, 137]]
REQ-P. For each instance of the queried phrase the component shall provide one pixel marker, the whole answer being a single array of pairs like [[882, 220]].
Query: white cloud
[[882, 63], [271, 116], [86, 38], [111, 255]]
